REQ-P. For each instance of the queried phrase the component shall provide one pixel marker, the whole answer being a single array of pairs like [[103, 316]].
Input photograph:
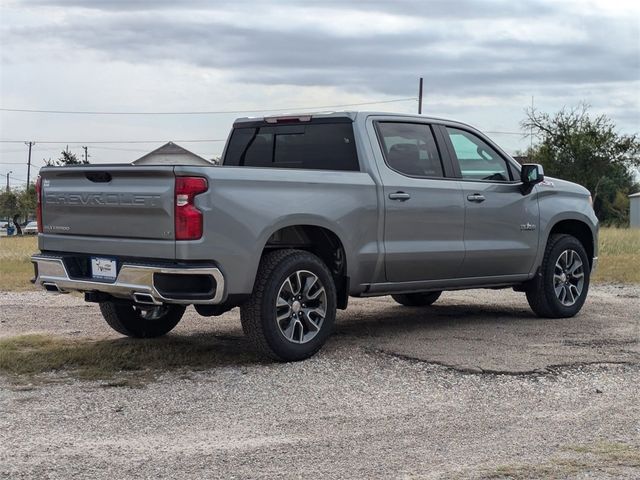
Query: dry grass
[[575, 461], [619, 259], [15, 266], [619, 254], [126, 362]]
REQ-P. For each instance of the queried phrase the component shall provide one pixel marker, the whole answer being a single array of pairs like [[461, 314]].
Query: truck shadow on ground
[[394, 318], [462, 326]]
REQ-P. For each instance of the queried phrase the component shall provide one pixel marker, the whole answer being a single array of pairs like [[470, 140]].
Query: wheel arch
[[578, 229], [321, 241]]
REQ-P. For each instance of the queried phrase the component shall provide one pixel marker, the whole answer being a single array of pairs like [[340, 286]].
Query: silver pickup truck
[[305, 212]]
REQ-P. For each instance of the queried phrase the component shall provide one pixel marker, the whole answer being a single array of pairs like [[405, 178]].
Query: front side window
[[409, 148], [477, 160]]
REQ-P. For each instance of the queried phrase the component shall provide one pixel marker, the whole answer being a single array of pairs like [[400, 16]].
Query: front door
[[501, 226], [424, 211]]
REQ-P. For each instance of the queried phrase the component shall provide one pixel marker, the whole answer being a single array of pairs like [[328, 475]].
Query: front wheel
[[291, 311], [560, 288], [138, 322]]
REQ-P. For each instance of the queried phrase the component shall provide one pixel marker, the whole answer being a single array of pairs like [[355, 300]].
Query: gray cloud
[[450, 58], [453, 59], [415, 8]]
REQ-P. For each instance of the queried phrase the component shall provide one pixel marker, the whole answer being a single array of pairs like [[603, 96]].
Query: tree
[[9, 208], [15, 205], [8, 204], [27, 202], [587, 150], [67, 158]]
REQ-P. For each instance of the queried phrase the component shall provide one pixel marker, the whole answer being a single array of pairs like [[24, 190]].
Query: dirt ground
[[473, 387]]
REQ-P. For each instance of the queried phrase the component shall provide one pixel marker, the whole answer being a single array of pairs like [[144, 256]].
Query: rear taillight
[[39, 203], [188, 223]]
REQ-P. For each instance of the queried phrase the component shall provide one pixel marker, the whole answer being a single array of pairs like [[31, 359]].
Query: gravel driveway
[[473, 387]]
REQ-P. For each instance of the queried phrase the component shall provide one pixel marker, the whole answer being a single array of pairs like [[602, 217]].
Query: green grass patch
[[121, 361]]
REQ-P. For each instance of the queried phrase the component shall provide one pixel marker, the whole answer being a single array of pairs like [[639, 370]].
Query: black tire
[[133, 322], [258, 314], [541, 292], [422, 299]]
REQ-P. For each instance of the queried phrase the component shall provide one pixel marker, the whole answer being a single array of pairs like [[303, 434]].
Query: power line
[[11, 177], [119, 149], [212, 140], [11, 151], [211, 112], [120, 141], [36, 149]]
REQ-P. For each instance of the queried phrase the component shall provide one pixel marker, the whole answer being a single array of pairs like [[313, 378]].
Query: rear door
[[500, 234], [424, 211]]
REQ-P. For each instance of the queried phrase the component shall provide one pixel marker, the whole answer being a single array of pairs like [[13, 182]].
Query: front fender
[[558, 206]]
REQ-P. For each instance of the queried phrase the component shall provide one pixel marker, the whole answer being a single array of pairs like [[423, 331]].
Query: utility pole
[[86, 155], [8, 189], [420, 97], [29, 144]]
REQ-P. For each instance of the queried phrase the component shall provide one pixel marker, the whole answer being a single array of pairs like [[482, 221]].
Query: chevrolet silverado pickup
[[306, 211]]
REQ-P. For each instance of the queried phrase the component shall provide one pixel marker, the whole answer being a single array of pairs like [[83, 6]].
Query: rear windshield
[[325, 146]]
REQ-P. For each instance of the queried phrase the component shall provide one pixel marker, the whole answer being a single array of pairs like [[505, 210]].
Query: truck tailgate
[[116, 203]]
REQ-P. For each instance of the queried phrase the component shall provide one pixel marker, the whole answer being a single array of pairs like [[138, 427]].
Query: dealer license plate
[[103, 268]]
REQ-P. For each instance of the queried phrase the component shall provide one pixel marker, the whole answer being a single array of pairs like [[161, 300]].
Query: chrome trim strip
[[131, 279]]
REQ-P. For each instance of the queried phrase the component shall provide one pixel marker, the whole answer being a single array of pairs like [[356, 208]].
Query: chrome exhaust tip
[[145, 299], [51, 287]]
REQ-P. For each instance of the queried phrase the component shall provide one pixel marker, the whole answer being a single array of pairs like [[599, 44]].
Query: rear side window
[[325, 146], [410, 149]]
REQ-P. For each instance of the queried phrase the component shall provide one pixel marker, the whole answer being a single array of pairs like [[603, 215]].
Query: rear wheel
[[291, 311], [422, 299], [138, 322], [560, 288]]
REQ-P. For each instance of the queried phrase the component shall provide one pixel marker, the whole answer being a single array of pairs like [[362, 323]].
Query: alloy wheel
[[301, 306], [568, 277]]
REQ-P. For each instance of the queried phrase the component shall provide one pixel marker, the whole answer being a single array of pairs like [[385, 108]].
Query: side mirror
[[530, 175]]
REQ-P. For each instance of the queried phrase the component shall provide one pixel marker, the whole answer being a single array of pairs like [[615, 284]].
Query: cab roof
[[344, 115]]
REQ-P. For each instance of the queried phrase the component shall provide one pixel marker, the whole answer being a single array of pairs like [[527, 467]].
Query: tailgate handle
[[98, 177]]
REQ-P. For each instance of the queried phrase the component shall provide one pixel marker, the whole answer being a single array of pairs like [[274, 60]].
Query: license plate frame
[[104, 268]]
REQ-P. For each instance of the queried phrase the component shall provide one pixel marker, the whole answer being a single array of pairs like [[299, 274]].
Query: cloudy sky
[[482, 61]]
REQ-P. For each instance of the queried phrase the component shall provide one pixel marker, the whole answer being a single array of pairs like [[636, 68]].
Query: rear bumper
[[134, 282]]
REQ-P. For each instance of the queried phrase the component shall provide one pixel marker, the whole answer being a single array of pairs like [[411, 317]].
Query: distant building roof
[[634, 195], [171, 154]]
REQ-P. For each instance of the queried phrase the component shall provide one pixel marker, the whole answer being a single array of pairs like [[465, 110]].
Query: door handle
[[402, 196], [476, 197]]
